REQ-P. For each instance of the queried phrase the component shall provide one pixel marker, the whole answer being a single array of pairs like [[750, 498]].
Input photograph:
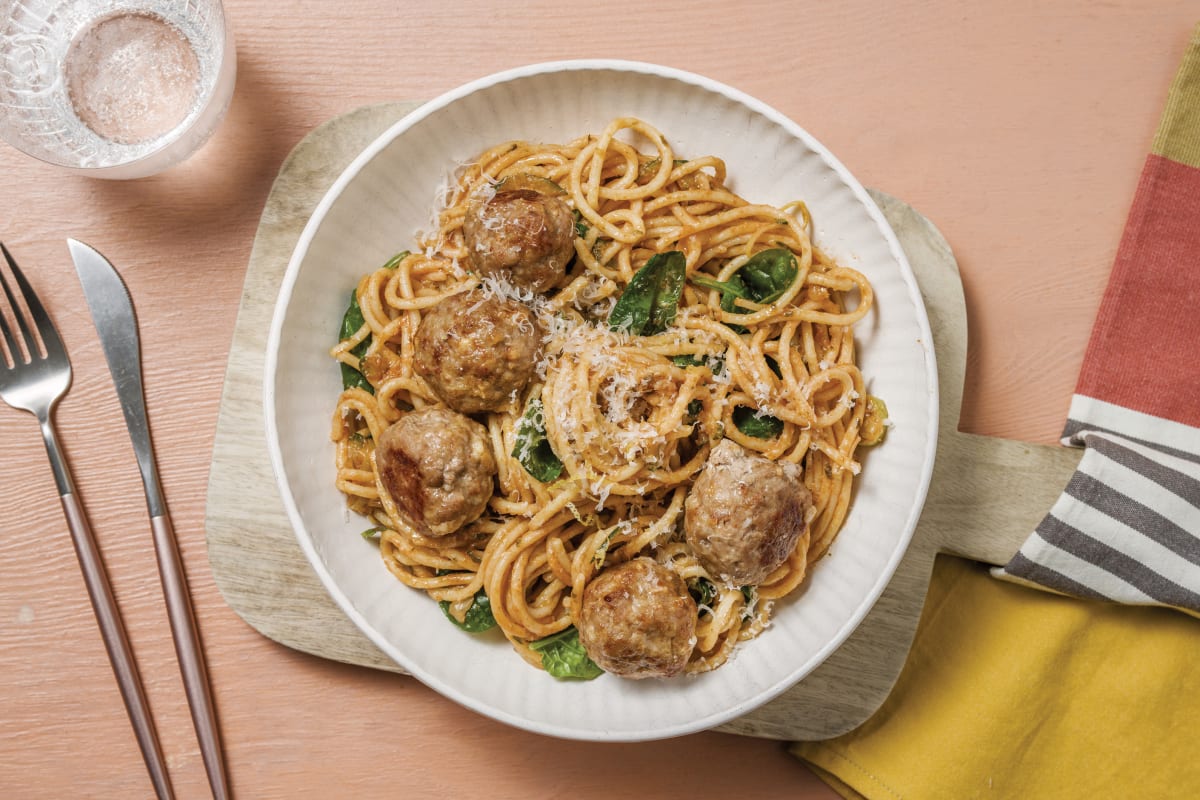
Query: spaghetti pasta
[[685, 315]]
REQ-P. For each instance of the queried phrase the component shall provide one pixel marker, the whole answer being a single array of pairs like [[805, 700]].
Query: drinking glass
[[113, 88]]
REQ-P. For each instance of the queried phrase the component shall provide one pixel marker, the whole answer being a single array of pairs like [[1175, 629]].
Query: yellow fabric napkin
[[1012, 692]]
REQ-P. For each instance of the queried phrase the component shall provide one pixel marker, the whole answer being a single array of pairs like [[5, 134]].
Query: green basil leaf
[[581, 227], [749, 422], [352, 320], [533, 449], [479, 616], [650, 301], [563, 656]]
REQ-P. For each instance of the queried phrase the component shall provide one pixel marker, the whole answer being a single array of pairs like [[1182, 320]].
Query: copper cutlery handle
[[112, 629], [116, 323], [189, 653]]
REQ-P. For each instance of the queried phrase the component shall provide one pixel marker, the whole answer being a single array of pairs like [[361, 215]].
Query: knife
[[115, 321]]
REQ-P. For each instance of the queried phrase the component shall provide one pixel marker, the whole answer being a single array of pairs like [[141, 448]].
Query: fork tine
[[10, 340], [51, 342]]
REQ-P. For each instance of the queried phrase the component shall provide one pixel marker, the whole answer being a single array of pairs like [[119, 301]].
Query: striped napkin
[[1127, 526]]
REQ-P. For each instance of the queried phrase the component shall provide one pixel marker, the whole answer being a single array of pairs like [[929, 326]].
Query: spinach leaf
[[762, 279], [733, 288], [687, 360], [703, 591], [750, 596], [730, 291], [749, 422], [581, 227], [564, 657], [774, 365], [395, 260], [479, 616], [714, 363], [352, 320], [768, 274], [650, 301], [533, 449], [648, 169]]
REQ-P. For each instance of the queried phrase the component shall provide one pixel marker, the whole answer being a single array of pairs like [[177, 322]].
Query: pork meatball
[[745, 513], [477, 352], [521, 235], [638, 620], [437, 467]]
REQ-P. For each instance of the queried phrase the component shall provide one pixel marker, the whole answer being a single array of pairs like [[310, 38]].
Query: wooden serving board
[[985, 497]]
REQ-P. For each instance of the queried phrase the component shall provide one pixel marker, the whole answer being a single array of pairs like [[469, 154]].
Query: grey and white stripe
[[1127, 526]]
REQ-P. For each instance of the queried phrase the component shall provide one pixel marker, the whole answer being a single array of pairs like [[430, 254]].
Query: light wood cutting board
[[985, 497]]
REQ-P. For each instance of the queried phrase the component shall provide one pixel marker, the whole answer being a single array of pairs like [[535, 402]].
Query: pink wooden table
[[1018, 129]]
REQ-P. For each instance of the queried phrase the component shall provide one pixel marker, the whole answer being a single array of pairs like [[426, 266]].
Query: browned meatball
[[437, 467], [745, 513], [477, 352], [638, 620], [521, 235]]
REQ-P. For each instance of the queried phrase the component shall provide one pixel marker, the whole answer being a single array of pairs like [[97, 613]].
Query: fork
[[33, 379]]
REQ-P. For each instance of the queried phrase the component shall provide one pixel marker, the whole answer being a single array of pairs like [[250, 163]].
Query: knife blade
[[112, 312], [115, 320]]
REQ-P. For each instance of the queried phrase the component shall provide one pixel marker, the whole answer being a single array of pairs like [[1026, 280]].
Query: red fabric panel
[[1144, 352]]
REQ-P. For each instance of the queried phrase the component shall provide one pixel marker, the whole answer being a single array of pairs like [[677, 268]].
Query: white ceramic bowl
[[387, 194]]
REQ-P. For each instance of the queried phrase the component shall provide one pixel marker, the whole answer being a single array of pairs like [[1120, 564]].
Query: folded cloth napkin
[[1127, 527], [1014, 694]]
